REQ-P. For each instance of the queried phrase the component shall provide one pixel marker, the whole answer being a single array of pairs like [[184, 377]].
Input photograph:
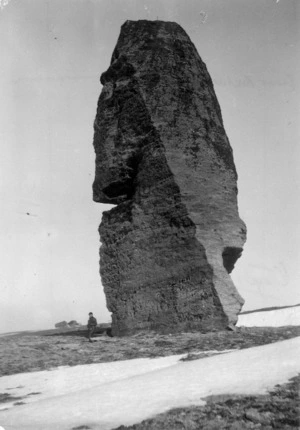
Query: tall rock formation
[[163, 157]]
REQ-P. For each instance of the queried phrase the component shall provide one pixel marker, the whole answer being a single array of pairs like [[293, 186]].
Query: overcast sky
[[52, 55]]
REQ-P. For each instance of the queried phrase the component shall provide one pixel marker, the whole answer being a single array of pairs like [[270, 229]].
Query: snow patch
[[65, 380], [106, 395], [274, 318]]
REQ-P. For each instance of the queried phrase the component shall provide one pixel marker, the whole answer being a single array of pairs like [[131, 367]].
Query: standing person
[[91, 325]]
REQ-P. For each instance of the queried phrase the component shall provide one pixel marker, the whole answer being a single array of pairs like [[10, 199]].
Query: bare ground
[[279, 409], [33, 351]]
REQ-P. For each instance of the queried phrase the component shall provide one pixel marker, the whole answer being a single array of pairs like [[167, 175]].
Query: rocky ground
[[33, 351], [279, 409]]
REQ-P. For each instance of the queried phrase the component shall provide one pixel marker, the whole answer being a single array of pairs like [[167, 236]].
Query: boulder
[[62, 324], [73, 323], [164, 160]]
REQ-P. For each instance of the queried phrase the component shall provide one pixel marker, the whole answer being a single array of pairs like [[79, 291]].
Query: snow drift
[[273, 318], [103, 396]]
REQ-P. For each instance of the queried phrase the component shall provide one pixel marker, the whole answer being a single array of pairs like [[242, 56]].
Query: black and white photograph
[[150, 214]]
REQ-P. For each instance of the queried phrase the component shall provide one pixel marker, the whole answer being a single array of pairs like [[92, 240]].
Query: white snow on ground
[[274, 318], [66, 380], [106, 395]]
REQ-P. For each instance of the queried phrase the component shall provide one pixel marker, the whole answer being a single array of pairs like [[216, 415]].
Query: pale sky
[[52, 54]]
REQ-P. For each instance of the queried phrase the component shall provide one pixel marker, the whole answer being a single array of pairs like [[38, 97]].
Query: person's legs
[[91, 332]]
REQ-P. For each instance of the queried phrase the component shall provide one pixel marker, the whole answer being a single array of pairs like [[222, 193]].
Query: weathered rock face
[[163, 157]]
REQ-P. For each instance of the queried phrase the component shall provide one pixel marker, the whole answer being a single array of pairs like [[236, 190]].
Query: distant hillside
[[273, 308]]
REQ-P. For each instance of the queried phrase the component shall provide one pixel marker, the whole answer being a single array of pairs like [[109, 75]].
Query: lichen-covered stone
[[163, 157]]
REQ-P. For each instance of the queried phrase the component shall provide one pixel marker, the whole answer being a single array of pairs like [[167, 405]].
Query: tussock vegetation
[[280, 409], [28, 352]]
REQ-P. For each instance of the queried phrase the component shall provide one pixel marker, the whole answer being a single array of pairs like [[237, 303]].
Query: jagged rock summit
[[163, 158]]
